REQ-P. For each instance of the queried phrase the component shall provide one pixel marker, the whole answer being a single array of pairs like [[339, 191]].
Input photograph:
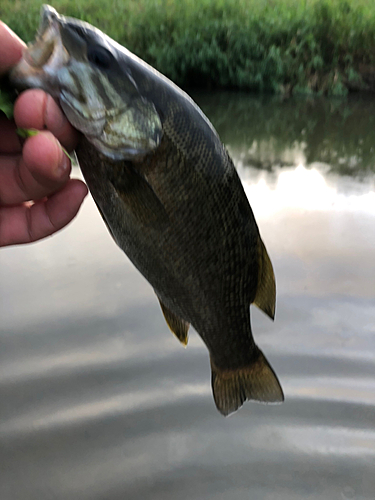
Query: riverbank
[[280, 46]]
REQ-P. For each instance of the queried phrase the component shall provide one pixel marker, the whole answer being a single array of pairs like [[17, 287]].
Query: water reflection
[[98, 399], [274, 132], [307, 189]]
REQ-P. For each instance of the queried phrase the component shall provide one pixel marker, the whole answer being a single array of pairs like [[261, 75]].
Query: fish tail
[[257, 381]]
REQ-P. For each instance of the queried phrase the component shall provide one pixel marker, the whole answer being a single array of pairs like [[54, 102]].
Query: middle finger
[[42, 170]]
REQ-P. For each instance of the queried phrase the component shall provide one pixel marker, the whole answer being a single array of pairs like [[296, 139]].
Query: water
[[100, 402]]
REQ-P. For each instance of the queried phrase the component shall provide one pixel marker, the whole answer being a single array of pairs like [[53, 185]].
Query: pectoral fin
[[265, 297], [139, 197], [177, 325], [257, 381]]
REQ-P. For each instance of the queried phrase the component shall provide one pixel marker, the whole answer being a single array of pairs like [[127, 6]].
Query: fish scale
[[170, 195]]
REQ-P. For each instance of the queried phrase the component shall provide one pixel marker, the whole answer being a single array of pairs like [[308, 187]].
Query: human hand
[[37, 196]]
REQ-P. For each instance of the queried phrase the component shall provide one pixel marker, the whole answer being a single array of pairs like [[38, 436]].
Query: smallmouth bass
[[169, 194]]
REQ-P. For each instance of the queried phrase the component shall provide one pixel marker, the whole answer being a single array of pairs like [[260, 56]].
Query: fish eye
[[99, 56]]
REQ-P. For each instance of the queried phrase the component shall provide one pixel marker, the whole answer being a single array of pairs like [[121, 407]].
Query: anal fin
[[257, 381], [265, 297], [178, 326]]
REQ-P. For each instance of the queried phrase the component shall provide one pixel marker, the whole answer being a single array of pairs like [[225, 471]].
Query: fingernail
[[64, 164]]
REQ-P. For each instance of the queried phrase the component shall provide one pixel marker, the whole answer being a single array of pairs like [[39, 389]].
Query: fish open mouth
[[48, 49], [39, 53], [41, 57]]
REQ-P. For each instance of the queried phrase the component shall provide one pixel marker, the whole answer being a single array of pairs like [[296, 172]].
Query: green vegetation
[[6, 103], [282, 46]]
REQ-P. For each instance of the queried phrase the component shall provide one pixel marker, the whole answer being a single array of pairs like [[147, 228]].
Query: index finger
[[35, 109], [11, 48]]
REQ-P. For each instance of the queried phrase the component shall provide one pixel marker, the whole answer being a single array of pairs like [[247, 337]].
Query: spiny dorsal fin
[[257, 381], [265, 297], [177, 325]]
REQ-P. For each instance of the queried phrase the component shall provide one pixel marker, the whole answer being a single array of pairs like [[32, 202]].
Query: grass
[[282, 46]]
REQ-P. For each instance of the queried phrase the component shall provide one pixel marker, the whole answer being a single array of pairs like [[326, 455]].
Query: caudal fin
[[257, 381]]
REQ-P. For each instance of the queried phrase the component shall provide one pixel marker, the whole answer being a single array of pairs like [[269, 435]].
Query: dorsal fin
[[178, 326], [265, 297]]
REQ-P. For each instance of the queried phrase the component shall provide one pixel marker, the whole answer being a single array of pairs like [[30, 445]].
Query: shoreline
[[317, 47]]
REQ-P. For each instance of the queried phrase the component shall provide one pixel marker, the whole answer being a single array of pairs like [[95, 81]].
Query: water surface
[[100, 402]]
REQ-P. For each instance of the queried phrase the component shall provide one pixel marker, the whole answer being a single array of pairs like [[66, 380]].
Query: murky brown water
[[98, 401]]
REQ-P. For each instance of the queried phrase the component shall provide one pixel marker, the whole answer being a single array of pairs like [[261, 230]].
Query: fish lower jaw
[[24, 77]]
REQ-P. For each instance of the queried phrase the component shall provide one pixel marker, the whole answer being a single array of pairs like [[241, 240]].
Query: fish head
[[87, 73]]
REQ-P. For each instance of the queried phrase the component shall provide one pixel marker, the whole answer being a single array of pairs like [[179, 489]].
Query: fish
[[169, 193]]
